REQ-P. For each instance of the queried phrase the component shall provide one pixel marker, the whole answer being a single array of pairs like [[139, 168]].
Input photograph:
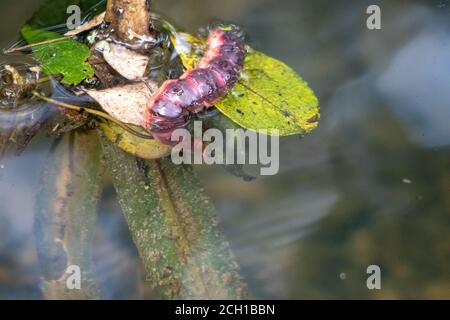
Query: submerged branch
[[94, 112], [175, 228], [33, 45]]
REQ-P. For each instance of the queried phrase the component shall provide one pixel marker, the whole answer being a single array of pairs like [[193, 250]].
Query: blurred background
[[370, 186]]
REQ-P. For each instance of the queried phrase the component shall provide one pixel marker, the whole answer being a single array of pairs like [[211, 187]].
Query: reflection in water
[[340, 202]]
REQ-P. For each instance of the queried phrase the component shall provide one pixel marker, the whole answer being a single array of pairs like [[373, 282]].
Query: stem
[[129, 18], [175, 228], [95, 113], [66, 215]]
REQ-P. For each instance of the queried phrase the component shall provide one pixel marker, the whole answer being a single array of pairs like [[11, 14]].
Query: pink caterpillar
[[199, 88]]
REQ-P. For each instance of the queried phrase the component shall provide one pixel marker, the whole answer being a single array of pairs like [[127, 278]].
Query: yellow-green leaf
[[142, 148], [269, 95]]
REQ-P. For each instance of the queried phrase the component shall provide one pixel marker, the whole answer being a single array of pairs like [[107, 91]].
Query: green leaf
[[66, 57], [269, 96]]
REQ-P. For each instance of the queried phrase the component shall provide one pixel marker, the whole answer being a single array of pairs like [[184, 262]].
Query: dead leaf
[[125, 103], [130, 64], [91, 24]]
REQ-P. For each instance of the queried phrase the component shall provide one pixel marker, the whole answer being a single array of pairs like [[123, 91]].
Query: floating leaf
[[269, 96], [67, 57], [142, 148], [20, 118]]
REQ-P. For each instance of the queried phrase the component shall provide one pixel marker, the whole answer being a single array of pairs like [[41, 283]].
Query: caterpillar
[[199, 88]]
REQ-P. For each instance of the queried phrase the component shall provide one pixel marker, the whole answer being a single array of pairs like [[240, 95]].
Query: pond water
[[371, 186]]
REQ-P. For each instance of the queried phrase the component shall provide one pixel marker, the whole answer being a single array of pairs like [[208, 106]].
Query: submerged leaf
[[269, 95], [67, 57]]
